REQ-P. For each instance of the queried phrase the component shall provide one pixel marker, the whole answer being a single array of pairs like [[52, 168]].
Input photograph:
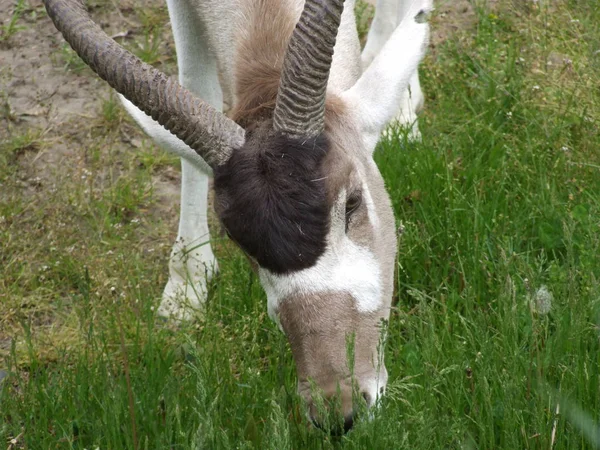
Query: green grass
[[499, 199]]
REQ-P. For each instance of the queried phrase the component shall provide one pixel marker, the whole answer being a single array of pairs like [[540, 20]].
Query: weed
[[152, 24], [148, 49], [154, 159], [10, 28], [6, 111], [71, 60], [111, 113], [17, 144]]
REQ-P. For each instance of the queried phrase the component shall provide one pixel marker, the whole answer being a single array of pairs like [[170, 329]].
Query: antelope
[[296, 187]]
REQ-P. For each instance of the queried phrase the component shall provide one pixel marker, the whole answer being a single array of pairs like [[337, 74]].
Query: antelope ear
[[375, 97]]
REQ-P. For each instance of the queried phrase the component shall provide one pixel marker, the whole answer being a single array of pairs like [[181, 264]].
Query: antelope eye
[[353, 202]]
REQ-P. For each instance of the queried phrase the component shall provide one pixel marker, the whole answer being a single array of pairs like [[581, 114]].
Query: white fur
[[379, 91], [344, 70], [371, 211], [164, 138], [347, 268], [388, 15], [192, 261]]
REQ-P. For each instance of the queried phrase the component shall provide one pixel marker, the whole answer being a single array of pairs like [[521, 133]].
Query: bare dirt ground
[[44, 87]]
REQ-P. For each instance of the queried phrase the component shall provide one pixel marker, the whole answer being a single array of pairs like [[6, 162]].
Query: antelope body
[[295, 183]]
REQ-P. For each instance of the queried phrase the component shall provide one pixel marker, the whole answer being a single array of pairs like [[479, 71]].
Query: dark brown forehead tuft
[[271, 197]]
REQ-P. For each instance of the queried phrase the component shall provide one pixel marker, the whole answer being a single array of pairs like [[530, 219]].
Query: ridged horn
[[206, 130], [300, 105]]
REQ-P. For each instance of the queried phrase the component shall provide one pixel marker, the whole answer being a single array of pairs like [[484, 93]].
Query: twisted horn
[[206, 130], [300, 105]]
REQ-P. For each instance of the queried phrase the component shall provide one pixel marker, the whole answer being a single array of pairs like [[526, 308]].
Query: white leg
[[388, 15], [192, 261], [384, 24], [376, 95]]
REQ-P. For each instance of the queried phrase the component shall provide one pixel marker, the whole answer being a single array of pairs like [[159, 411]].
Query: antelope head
[[297, 190]]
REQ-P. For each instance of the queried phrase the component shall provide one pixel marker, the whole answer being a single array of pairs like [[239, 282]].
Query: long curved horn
[[300, 106], [206, 130]]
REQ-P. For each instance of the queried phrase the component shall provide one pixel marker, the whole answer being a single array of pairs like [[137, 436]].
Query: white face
[[317, 221]]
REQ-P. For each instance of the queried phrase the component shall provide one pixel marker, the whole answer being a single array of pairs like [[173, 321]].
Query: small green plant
[[152, 17], [71, 61], [18, 144], [6, 111], [111, 113], [148, 49], [9, 29], [154, 158]]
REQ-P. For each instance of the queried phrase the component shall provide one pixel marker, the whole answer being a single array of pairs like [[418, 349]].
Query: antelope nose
[[332, 424], [335, 430], [336, 416], [348, 422]]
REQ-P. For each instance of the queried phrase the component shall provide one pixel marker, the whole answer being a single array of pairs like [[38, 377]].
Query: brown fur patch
[[261, 51], [261, 54]]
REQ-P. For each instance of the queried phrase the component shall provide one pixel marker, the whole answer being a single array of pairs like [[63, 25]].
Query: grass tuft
[[11, 26]]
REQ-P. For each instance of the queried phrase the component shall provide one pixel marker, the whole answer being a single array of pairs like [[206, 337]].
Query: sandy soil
[[46, 89]]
